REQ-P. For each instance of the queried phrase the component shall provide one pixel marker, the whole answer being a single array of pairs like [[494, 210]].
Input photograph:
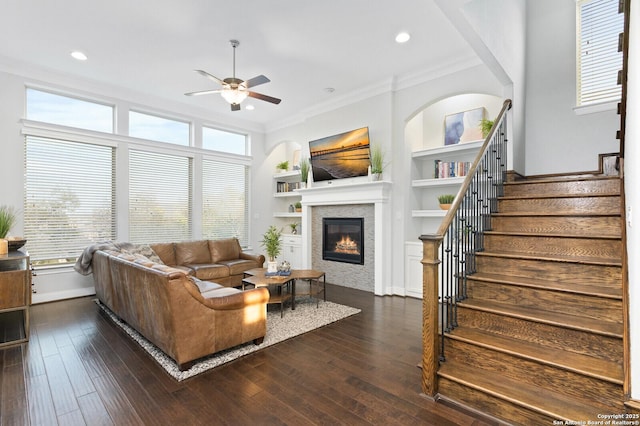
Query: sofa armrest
[[255, 257]]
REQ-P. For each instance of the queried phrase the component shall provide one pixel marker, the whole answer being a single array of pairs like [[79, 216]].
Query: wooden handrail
[[431, 264]]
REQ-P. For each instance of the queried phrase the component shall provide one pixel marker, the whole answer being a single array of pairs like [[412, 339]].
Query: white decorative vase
[[272, 266]]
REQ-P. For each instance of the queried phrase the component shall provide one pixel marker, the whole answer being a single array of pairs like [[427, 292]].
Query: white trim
[[595, 108]]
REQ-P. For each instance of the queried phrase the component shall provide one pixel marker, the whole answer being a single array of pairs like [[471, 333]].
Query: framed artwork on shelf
[[463, 126]]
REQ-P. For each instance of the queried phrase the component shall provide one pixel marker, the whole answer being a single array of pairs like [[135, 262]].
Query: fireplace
[[343, 239]]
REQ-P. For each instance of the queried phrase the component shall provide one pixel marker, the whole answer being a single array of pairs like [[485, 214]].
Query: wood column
[[430, 346]]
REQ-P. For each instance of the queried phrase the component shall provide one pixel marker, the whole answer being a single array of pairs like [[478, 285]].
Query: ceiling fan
[[235, 90]]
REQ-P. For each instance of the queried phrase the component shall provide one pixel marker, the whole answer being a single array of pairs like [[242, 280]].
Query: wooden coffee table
[[312, 276], [280, 293]]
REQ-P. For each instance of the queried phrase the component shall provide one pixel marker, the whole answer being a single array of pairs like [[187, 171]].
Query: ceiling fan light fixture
[[234, 96]]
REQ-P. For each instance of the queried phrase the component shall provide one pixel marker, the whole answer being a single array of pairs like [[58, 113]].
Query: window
[[66, 111], [225, 208], [599, 25], [160, 197], [69, 199], [159, 129], [219, 140]]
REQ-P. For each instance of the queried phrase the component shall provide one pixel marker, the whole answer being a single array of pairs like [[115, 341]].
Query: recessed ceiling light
[[250, 107], [80, 56], [403, 37]]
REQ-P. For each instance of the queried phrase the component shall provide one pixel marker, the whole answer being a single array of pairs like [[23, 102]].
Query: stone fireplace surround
[[376, 194]]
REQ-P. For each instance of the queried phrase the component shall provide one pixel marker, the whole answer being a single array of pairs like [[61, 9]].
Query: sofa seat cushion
[[220, 292], [204, 286], [209, 271], [238, 266], [193, 252]]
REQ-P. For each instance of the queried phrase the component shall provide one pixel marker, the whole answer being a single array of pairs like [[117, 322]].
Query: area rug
[[304, 318]]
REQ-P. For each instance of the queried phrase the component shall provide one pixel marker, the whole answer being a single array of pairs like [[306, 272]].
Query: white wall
[[558, 140], [632, 183]]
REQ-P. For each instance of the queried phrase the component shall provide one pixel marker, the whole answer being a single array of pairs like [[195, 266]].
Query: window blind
[[598, 58], [160, 197], [225, 208], [69, 198]]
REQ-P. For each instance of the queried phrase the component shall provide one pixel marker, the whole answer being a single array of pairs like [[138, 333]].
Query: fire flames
[[347, 246]]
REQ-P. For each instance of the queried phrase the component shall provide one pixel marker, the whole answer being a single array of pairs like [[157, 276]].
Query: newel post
[[430, 347]]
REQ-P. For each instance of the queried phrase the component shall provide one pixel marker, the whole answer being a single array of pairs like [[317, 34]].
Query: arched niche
[[285, 150], [425, 129]]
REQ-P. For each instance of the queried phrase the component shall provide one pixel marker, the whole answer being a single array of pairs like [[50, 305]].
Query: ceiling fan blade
[[209, 76], [202, 92], [255, 81], [264, 97], [235, 107]]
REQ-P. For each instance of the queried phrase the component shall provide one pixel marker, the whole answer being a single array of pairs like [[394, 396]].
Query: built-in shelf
[[448, 149], [286, 194], [428, 213], [424, 183], [287, 214]]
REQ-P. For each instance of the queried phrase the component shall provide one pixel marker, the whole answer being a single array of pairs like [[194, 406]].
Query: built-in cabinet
[[292, 250], [15, 297]]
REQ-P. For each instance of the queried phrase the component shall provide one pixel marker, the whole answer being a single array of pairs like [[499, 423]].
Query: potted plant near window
[[445, 201], [272, 245], [7, 219], [283, 166], [377, 162], [304, 172]]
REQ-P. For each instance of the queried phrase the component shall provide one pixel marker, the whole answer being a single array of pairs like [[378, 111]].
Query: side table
[[15, 297]]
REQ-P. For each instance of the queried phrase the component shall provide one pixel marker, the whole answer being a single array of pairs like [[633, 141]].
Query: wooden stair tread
[[546, 317], [582, 364], [553, 258], [561, 178], [553, 214], [532, 397], [553, 235], [560, 195], [554, 285]]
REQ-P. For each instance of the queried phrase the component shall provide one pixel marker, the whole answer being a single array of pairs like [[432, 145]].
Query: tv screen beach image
[[340, 156]]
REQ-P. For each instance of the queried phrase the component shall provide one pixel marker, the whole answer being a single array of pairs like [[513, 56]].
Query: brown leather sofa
[[185, 317], [220, 261]]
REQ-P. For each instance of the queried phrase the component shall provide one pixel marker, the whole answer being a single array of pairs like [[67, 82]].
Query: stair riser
[[562, 272], [554, 337], [545, 300], [579, 387], [577, 205], [584, 226], [583, 247], [597, 186], [489, 404]]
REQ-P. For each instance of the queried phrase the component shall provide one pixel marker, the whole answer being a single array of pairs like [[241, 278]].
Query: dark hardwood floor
[[79, 368]]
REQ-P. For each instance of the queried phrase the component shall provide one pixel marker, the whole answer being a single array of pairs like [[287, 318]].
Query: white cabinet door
[[292, 250]]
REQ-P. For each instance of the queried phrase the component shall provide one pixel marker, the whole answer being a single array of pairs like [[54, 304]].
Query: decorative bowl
[[15, 244]]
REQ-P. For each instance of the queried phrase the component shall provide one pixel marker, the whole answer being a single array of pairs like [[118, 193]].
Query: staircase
[[540, 334]]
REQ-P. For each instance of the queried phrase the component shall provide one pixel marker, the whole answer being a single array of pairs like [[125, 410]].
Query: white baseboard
[[61, 295]]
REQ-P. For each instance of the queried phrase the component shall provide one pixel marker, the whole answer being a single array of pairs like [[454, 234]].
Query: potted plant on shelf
[[298, 206], [486, 126], [304, 172], [445, 201], [7, 219], [377, 162], [272, 245], [283, 166], [294, 227]]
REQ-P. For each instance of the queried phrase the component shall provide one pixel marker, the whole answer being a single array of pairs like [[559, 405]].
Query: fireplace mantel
[[377, 193]]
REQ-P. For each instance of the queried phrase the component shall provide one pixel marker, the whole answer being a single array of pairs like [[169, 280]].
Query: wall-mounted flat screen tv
[[340, 156]]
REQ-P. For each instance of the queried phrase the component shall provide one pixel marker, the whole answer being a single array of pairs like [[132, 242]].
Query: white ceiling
[[153, 46]]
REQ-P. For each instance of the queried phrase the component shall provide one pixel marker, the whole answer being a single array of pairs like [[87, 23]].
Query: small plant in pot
[[294, 227], [272, 245], [283, 166], [486, 126], [298, 206], [377, 162], [304, 172], [445, 201]]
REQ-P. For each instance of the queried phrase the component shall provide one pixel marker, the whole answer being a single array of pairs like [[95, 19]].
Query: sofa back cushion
[[192, 252], [166, 252], [228, 249]]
